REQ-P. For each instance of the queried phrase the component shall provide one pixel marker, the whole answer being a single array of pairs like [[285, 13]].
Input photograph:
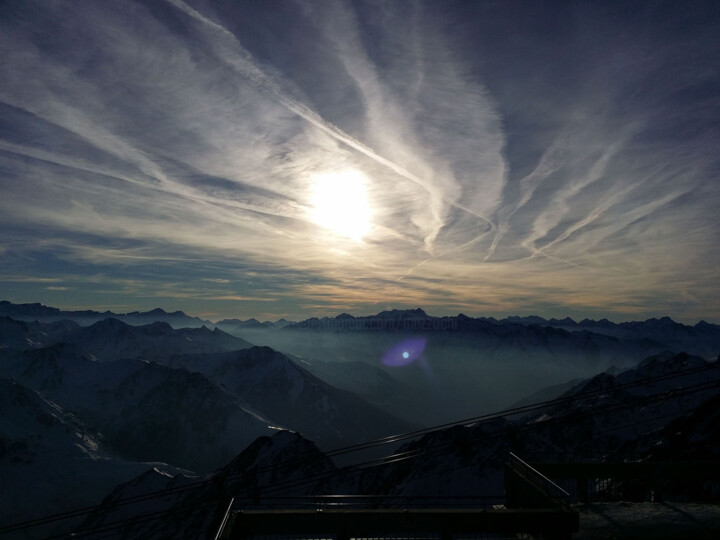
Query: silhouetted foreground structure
[[652, 481], [431, 524], [534, 507]]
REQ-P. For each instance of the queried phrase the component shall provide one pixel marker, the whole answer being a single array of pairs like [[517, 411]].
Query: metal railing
[[532, 474], [224, 521]]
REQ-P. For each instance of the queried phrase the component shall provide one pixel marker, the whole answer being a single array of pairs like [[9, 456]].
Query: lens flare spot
[[405, 352]]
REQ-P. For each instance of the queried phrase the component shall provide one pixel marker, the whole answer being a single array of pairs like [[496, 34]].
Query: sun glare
[[340, 203]]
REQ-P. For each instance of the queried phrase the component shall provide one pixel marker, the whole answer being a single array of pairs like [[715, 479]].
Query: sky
[[298, 158]]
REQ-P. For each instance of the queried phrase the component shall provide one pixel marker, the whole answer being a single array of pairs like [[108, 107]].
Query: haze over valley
[[111, 400], [455, 258]]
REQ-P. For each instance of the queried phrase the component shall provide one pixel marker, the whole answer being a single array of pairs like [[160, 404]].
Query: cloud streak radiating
[[517, 158]]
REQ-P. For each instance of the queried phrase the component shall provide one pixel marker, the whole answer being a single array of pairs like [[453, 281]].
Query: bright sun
[[340, 203]]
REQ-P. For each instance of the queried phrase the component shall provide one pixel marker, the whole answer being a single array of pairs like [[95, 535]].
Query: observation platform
[[533, 507]]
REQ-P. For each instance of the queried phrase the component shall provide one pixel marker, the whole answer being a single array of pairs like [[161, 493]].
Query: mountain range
[[190, 398], [87, 407], [51, 461], [629, 415], [145, 411], [702, 338], [477, 359], [40, 312]]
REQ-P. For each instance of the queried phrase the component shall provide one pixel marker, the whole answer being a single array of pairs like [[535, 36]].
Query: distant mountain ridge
[[702, 338], [392, 319], [252, 323], [113, 339], [411, 319], [41, 312]]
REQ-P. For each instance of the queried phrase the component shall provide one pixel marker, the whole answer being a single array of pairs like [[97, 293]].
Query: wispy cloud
[[28, 279], [239, 298], [171, 149]]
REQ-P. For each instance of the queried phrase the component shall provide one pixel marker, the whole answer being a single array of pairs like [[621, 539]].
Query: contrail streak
[[244, 63], [248, 68], [552, 160]]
